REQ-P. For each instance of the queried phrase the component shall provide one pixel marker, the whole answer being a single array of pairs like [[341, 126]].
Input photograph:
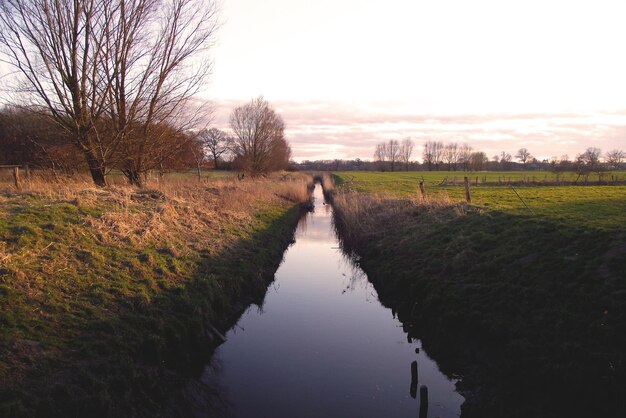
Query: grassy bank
[[109, 296], [527, 305]]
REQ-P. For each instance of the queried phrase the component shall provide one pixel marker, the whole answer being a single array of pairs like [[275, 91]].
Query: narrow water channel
[[321, 345]]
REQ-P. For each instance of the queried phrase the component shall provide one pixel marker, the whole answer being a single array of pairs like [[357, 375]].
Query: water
[[321, 344]]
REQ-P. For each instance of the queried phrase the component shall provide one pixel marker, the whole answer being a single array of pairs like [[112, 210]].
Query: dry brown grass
[[371, 214], [231, 192], [174, 212], [327, 183]]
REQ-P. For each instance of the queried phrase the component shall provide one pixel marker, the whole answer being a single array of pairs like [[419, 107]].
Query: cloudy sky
[[547, 75]]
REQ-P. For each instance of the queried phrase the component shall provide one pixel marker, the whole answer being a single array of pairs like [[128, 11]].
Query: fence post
[[422, 189], [423, 401], [413, 389], [16, 177], [468, 197]]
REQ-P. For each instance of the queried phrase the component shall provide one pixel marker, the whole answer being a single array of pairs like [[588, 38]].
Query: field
[[106, 291], [526, 304], [432, 178], [594, 206]]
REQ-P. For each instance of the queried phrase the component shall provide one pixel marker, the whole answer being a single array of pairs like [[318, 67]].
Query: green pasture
[[499, 177], [596, 206]]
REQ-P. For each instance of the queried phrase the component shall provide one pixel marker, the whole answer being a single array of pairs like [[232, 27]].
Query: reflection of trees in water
[[302, 224], [356, 279]]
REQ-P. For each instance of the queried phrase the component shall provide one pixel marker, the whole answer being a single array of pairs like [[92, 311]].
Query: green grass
[[527, 306], [407, 180], [601, 207], [88, 315]]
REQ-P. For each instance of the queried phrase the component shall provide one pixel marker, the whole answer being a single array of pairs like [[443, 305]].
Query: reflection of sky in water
[[322, 345]]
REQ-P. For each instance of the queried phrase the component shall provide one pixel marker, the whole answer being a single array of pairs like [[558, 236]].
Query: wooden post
[[468, 197], [27, 171], [16, 177], [414, 379], [477, 180], [422, 189], [423, 401]]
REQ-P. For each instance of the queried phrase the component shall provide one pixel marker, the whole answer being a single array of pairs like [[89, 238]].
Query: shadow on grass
[[128, 363], [531, 313]]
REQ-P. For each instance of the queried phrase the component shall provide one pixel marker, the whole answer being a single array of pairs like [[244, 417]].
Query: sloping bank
[[528, 310], [110, 298]]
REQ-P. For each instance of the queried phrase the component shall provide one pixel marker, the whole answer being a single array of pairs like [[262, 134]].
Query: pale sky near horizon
[[346, 74], [548, 75]]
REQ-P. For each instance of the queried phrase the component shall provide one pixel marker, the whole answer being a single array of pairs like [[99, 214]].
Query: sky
[[547, 75], [345, 75]]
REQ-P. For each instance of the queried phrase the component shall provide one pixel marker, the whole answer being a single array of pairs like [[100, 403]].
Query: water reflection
[[322, 345]]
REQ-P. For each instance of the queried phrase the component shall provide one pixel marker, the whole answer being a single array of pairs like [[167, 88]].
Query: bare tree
[[430, 154], [57, 48], [523, 155], [393, 152], [505, 160], [156, 58], [380, 155], [591, 158], [259, 144], [614, 158], [406, 149], [196, 148], [115, 74], [451, 155], [216, 143], [477, 161], [465, 151], [559, 166], [438, 148]]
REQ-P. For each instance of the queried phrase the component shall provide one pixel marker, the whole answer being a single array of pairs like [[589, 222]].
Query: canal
[[321, 344]]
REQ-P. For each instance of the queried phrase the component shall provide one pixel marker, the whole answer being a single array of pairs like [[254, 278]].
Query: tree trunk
[[133, 177], [96, 169]]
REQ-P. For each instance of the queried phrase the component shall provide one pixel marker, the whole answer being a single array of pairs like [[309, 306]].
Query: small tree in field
[[406, 149], [216, 142], [478, 161], [380, 155], [523, 155], [259, 144], [614, 158], [432, 154], [393, 153]]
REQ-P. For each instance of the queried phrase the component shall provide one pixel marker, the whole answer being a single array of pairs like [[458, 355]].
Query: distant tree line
[[453, 156]]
